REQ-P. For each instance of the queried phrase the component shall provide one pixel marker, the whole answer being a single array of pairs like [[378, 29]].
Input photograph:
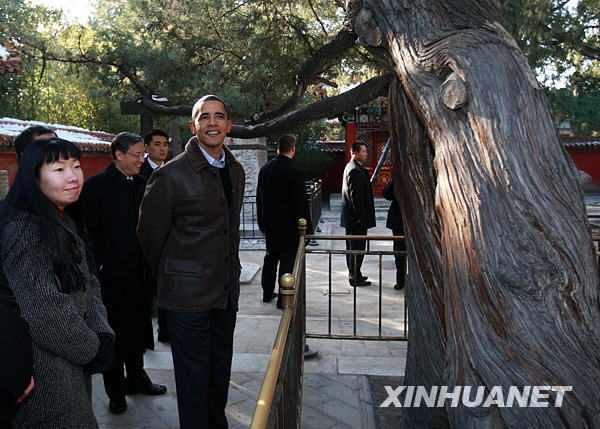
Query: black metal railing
[[249, 215], [594, 220], [280, 399], [380, 336], [249, 219]]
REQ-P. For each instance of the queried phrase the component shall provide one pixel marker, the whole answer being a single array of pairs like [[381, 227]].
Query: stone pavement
[[336, 391]]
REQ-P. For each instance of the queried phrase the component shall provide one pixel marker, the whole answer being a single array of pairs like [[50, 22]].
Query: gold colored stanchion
[[287, 289]]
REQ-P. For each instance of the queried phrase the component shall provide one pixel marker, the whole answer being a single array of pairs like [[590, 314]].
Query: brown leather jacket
[[189, 236]]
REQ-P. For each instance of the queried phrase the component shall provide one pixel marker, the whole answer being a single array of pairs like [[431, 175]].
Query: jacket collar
[[115, 174], [198, 159]]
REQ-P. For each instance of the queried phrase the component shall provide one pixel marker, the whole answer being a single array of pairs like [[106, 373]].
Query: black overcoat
[[146, 169], [358, 207], [111, 204], [394, 216], [280, 202]]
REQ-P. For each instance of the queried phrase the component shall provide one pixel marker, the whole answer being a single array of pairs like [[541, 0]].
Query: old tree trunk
[[504, 289]]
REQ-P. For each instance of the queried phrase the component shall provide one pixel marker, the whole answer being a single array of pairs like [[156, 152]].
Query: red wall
[[588, 161], [90, 163], [375, 146]]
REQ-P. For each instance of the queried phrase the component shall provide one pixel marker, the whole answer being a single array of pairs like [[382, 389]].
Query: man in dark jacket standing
[[189, 231], [358, 210], [111, 200], [394, 222], [280, 201]]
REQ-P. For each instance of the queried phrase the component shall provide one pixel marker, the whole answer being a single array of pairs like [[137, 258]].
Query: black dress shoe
[[117, 406], [398, 286], [270, 299], [364, 278], [360, 283], [147, 389]]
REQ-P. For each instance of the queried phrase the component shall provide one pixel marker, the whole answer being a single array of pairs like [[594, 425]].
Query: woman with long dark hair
[[44, 260]]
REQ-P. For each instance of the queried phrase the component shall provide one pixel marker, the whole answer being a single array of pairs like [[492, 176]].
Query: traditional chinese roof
[[10, 61], [86, 140], [581, 143]]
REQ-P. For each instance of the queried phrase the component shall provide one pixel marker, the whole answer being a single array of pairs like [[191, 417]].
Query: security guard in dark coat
[[358, 210], [394, 222], [280, 201], [111, 201]]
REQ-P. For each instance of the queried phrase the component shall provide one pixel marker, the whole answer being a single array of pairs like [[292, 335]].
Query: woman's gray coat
[[64, 327]]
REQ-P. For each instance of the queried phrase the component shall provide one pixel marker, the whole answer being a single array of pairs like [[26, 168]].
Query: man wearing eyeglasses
[[111, 200]]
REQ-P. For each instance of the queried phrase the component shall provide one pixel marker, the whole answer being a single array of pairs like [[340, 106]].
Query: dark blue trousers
[[202, 347]]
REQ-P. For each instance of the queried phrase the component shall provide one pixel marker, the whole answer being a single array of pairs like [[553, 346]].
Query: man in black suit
[[111, 202], [394, 222], [358, 210], [156, 144], [280, 201]]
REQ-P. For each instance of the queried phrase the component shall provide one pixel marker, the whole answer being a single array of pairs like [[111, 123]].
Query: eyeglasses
[[136, 155]]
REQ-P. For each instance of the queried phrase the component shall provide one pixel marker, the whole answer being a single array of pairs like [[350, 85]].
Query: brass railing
[[280, 399]]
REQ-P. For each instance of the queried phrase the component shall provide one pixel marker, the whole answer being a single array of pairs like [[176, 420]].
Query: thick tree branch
[[314, 67], [326, 108]]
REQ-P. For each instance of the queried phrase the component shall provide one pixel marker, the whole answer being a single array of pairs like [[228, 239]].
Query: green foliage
[[579, 103], [553, 37], [244, 50], [181, 49]]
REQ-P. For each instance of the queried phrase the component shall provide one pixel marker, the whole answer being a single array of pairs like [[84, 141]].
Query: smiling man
[[189, 232]]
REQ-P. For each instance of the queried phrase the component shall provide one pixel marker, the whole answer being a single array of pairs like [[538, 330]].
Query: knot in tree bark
[[454, 92]]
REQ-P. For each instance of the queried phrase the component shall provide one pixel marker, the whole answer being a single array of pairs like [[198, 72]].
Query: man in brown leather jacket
[[189, 232]]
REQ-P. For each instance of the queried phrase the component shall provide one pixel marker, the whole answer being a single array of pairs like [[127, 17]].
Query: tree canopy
[[264, 56]]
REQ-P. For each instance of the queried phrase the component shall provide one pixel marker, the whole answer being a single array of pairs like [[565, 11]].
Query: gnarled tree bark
[[514, 299]]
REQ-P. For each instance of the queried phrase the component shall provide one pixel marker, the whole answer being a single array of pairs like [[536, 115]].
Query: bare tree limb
[[326, 108], [320, 61]]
